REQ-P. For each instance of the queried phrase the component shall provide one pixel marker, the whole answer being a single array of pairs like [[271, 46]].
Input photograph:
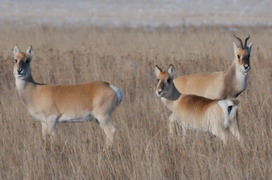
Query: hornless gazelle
[[196, 112], [52, 104], [220, 85]]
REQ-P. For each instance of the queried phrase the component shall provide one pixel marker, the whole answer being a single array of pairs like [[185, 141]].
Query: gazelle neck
[[236, 79], [240, 76], [22, 83], [25, 88], [172, 95]]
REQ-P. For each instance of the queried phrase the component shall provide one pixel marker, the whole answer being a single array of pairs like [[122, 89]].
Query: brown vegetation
[[142, 149]]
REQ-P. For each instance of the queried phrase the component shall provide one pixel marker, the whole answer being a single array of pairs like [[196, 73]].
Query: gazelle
[[52, 104], [224, 84], [196, 112]]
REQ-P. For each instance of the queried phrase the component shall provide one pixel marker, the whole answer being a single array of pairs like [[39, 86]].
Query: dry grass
[[142, 149]]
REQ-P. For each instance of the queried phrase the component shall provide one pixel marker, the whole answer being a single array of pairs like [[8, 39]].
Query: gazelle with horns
[[52, 104], [196, 112], [224, 84]]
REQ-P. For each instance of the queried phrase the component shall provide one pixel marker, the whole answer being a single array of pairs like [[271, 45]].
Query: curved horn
[[241, 42], [246, 41]]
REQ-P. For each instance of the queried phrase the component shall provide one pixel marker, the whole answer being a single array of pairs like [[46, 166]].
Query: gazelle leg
[[44, 130], [171, 125], [224, 139], [184, 130], [48, 127], [109, 130], [234, 129], [220, 133]]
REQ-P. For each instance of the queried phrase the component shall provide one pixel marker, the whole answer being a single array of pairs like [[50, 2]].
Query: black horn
[[246, 41], [241, 42]]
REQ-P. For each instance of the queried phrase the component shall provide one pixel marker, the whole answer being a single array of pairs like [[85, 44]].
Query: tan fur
[[22, 56], [206, 85], [73, 98], [52, 104], [219, 85], [193, 104], [196, 112]]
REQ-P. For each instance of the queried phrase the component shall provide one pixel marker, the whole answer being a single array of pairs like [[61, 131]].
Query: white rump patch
[[119, 92], [228, 115]]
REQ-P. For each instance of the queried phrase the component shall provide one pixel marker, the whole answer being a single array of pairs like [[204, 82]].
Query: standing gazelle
[[220, 85], [196, 112], [52, 104]]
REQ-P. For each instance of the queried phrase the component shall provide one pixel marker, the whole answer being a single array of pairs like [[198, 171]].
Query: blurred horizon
[[129, 13]]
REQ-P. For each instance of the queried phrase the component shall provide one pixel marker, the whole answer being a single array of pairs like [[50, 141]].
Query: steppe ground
[[142, 149]]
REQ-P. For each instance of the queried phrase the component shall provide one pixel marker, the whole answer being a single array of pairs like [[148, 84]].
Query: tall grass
[[142, 148]]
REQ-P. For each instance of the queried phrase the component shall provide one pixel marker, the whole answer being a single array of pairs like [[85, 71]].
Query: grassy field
[[142, 148]]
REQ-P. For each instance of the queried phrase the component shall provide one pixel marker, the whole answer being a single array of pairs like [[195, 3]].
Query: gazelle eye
[[16, 60], [238, 56], [169, 80], [27, 61]]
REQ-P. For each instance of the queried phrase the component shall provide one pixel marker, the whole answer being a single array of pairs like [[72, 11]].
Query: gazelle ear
[[171, 70], [15, 51], [249, 47], [29, 50], [235, 47], [157, 71]]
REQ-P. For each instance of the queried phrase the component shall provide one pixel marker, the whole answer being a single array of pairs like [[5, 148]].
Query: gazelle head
[[21, 69], [165, 81], [242, 54]]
